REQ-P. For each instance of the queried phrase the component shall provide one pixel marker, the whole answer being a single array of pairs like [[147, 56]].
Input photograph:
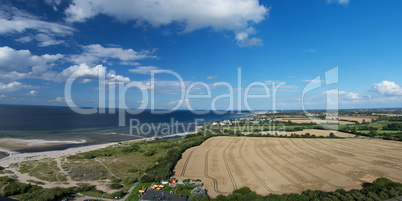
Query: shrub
[[149, 153], [115, 186], [15, 188], [382, 182], [87, 173]]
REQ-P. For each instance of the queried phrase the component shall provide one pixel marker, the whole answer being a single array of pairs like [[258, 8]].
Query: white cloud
[[45, 40], [342, 2], [353, 96], [13, 86], [17, 22], [387, 88], [32, 93], [211, 77], [237, 16], [146, 70], [250, 42], [86, 74], [97, 53], [58, 100], [2, 96], [54, 4], [19, 64]]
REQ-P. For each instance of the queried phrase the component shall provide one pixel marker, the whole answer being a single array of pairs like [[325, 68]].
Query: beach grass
[[45, 169]]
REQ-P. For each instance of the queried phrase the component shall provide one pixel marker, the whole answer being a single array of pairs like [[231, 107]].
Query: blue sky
[[42, 43]]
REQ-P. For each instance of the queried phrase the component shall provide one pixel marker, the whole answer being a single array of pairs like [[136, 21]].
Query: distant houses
[[247, 120]]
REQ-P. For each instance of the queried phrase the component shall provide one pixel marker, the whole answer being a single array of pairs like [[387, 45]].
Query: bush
[[87, 173], [129, 180], [382, 182], [149, 153], [132, 170], [15, 188], [115, 186], [198, 193], [84, 187], [5, 179]]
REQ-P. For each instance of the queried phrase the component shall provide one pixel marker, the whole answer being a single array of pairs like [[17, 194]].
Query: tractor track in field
[[276, 169], [364, 154], [206, 169], [183, 171], [251, 169], [334, 170], [305, 171], [227, 166], [312, 161]]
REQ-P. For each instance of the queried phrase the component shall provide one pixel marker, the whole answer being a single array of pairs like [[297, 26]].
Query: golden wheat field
[[285, 165]]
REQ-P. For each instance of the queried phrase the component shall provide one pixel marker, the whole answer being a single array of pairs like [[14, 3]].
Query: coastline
[[17, 157]]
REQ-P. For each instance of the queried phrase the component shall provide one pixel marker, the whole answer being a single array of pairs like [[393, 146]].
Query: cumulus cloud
[[18, 22], [87, 74], [353, 96], [58, 100], [97, 53], [13, 86], [19, 64], [387, 88], [237, 16], [32, 93]]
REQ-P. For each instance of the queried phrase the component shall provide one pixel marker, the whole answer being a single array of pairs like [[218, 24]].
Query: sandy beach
[[9, 145]]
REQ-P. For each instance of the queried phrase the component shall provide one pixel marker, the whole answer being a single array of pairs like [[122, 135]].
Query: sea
[[64, 124]]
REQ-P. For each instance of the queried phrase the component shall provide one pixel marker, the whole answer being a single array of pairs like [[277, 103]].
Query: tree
[[198, 193]]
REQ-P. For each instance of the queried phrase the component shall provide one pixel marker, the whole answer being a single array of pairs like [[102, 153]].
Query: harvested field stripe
[[355, 158], [366, 147], [276, 169], [186, 163], [206, 169], [364, 154], [227, 166], [251, 169], [302, 169], [324, 166], [357, 167]]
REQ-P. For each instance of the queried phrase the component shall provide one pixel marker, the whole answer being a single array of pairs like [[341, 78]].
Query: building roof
[[155, 195]]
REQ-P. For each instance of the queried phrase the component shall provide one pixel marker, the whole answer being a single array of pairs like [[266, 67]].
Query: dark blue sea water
[[61, 123]]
